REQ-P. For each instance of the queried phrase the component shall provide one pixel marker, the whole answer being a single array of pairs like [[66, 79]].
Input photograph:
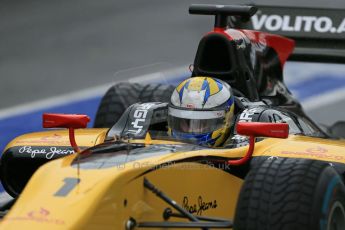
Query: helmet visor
[[196, 122]]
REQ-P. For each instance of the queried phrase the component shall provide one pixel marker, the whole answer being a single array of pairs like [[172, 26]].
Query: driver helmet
[[201, 109]]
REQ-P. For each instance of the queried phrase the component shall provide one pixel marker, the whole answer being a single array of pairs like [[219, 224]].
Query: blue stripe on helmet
[[230, 101], [182, 89], [220, 85], [205, 86]]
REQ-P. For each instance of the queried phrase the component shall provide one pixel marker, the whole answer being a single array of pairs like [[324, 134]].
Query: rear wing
[[319, 33]]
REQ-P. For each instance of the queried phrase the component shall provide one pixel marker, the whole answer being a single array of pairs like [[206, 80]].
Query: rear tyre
[[120, 96], [287, 194]]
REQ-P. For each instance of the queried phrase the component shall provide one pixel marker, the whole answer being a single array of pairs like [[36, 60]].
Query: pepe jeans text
[[49, 153]]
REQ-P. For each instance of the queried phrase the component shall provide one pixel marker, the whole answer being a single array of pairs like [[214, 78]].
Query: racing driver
[[205, 110], [202, 109]]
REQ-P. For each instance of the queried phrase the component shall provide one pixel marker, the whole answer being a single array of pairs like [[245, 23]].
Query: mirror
[[263, 129], [56, 120], [258, 129], [70, 121]]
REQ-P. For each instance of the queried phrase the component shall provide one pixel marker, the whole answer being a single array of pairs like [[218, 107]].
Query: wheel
[[297, 194], [156, 92], [115, 102], [120, 96]]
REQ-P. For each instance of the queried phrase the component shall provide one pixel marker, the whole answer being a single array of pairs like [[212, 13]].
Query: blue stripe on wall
[[32, 122], [315, 86]]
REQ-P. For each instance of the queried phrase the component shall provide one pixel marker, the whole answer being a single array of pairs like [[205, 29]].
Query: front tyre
[[291, 194], [121, 95], [115, 101]]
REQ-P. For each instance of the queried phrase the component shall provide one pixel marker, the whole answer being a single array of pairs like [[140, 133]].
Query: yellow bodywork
[[59, 137], [107, 198]]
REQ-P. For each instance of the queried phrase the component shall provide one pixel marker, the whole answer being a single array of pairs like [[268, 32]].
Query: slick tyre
[[156, 92], [291, 194], [115, 101], [120, 96]]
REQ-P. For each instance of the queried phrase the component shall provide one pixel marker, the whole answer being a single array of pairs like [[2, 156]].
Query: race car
[[288, 173]]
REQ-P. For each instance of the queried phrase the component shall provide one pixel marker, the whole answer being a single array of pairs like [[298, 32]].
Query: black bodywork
[[254, 71]]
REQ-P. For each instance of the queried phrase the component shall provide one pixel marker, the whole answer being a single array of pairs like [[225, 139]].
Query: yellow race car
[[159, 182], [277, 171]]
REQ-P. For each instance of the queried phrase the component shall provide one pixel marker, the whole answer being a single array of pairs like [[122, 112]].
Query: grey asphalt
[[50, 48]]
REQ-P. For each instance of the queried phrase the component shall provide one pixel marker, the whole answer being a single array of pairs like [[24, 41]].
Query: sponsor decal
[[317, 149], [41, 216], [247, 115], [317, 152], [199, 207], [48, 153], [54, 139], [298, 23], [190, 106], [140, 117]]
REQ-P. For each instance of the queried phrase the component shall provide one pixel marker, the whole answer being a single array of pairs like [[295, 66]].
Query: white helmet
[[201, 109]]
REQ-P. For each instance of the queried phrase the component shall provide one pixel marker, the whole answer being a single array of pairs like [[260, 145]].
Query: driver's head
[[201, 109]]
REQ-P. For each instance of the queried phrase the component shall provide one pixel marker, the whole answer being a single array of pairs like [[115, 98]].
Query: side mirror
[[263, 129], [70, 121], [259, 129], [56, 120]]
